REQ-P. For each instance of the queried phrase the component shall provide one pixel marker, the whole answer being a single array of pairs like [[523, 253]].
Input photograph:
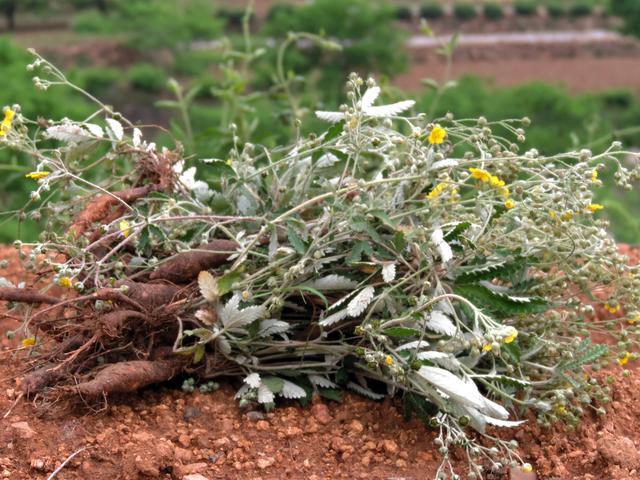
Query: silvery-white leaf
[[494, 409], [114, 129], [333, 282], [327, 160], [334, 318], [360, 302], [265, 395], [333, 117], [95, 130], [67, 132], [253, 380], [442, 359], [437, 238], [207, 317], [365, 392], [369, 97], [389, 110], [6, 283], [503, 423], [272, 327], [137, 137], [389, 272], [291, 390], [416, 344], [273, 244], [223, 345], [241, 391], [320, 381], [244, 317], [340, 301], [244, 204], [453, 386], [446, 163], [440, 323], [208, 286]]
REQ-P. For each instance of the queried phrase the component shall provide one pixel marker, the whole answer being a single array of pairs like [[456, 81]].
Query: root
[[184, 267], [151, 295], [127, 377], [112, 323], [100, 207], [25, 295], [36, 381]]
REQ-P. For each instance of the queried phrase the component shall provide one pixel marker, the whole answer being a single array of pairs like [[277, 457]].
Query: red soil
[[167, 434]]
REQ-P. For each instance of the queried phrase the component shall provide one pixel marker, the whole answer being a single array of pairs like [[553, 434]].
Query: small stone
[[401, 463], [390, 446], [182, 454], [255, 415], [262, 425], [37, 464], [147, 467], [265, 462], [6, 474], [292, 432], [321, 413], [11, 393], [194, 476], [184, 440], [23, 430], [355, 427]]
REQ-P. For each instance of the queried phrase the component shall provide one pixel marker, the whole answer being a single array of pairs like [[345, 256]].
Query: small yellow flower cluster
[[624, 358], [634, 319], [5, 126], [28, 342], [594, 207], [440, 188], [37, 175], [437, 135], [511, 335], [65, 282], [125, 228], [494, 182], [612, 308], [594, 175], [388, 360]]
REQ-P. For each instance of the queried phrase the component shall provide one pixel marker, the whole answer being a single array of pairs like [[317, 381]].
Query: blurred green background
[[576, 74]]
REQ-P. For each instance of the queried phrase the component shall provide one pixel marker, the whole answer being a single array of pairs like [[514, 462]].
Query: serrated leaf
[[274, 384], [452, 386], [333, 282], [360, 302], [333, 117], [320, 381], [389, 272], [296, 242], [365, 392], [114, 129], [331, 394], [265, 395], [500, 304], [402, 332], [291, 390], [390, 110], [232, 317], [334, 318], [208, 286], [442, 359], [253, 380], [441, 323], [413, 345], [272, 327], [369, 96]]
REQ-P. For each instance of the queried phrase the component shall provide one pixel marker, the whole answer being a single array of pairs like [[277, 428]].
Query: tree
[[629, 11]]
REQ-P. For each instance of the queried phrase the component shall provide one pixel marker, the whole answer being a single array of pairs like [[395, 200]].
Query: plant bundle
[[390, 255]]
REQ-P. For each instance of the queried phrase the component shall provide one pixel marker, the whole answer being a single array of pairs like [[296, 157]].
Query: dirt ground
[[163, 433]]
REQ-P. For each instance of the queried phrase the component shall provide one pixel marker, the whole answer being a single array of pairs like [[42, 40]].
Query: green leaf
[[334, 131], [226, 282], [359, 248], [274, 384], [198, 354], [331, 394], [489, 271], [513, 350], [295, 240], [306, 288], [500, 304], [402, 332], [458, 230]]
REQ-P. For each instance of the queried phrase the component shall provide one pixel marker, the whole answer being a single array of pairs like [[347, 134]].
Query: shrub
[[556, 10], [147, 78], [93, 22], [464, 11], [629, 12], [403, 13], [233, 18], [493, 11], [525, 8], [431, 11], [581, 10], [97, 80]]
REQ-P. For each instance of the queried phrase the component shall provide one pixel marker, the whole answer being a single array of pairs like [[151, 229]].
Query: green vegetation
[[147, 78], [629, 11], [493, 11], [525, 7], [464, 11], [431, 11]]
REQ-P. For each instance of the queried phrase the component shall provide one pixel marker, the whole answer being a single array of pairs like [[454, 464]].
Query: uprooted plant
[[390, 255]]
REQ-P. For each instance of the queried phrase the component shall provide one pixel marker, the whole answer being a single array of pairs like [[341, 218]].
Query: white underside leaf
[[320, 381], [333, 282], [440, 323], [291, 390], [360, 302]]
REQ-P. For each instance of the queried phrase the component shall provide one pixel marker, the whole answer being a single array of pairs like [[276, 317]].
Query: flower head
[[388, 360], [527, 468], [612, 308], [594, 207], [480, 174], [594, 175], [509, 204], [125, 228], [37, 175], [28, 342], [437, 191], [624, 359], [5, 126], [65, 282], [437, 135], [513, 334]]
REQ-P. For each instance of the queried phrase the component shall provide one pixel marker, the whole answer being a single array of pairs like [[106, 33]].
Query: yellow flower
[[594, 175], [65, 282], [612, 308], [388, 360], [624, 359], [568, 215], [509, 204], [495, 182], [37, 175], [480, 174], [527, 468], [504, 191], [594, 207], [229, 162], [437, 191], [634, 319], [559, 409], [437, 135], [511, 337], [246, 295], [125, 228], [487, 347], [28, 342], [552, 214], [5, 126]]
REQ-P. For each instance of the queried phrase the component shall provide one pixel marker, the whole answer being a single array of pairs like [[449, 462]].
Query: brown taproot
[[112, 323], [150, 295], [25, 295], [129, 376], [100, 207], [37, 380], [186, 266]]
